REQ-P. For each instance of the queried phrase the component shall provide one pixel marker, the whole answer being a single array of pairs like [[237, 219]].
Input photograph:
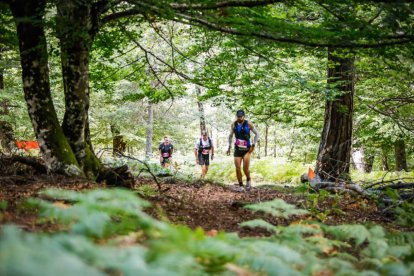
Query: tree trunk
[[88, 140], [72, 22], [335, 146], [400, 156], [201, 111], [76, 32], [118, 144], [148, 149], [368, 162], [384, 160], [54, 146], [266, 137]]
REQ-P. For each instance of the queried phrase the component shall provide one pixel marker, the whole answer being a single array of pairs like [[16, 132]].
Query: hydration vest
[[242, 132], [166, 149], [201, 147]]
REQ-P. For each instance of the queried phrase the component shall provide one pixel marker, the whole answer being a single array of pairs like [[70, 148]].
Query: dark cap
[[240, 113]]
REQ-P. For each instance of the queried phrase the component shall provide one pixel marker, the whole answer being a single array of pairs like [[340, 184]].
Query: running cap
[[240, 113]]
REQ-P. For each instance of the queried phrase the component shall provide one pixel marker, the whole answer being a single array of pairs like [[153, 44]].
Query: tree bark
[[148, 149], [58, 156], [118, 144], [201, 110], [76, 31], [368, 162], [1, 78], [72, 22], [334, 153], [384, 160], [400, 155]]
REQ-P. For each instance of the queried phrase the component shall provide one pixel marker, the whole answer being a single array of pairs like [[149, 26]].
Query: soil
[[210, 206]]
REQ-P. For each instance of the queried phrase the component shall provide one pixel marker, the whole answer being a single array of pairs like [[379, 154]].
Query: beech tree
[[78, 23]]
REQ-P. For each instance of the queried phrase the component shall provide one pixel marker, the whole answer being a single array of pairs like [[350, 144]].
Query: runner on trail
[[202, 149], [242, 147], [166, 150]]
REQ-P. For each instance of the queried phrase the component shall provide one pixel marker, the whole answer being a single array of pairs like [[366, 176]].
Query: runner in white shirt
[[202, 148]]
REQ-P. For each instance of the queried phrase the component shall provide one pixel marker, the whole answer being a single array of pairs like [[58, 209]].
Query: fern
[[298, 249], [98, 213], [277, 208], [259, 223], [358, 233], [25, 254]]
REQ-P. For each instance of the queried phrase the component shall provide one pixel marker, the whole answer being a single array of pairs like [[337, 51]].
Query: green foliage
[[3, 205], [277, 208], [302, 248], [288, 172], [97, 213], [405, 214], [264, 171], [146, 190]]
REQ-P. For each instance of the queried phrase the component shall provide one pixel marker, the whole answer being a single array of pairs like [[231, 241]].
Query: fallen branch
[[27, 160], [388, 181], [396, 186], [336, 187]]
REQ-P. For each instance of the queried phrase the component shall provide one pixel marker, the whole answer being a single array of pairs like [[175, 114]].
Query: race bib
[[205, 151], [165, 154], [241, 143]]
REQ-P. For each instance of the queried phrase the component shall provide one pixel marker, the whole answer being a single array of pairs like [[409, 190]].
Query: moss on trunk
[[54, 146]]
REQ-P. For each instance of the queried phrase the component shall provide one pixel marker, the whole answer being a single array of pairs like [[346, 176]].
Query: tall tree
[[200, 110], [334, 153], [150, 124], [400, 155], [28, 16]]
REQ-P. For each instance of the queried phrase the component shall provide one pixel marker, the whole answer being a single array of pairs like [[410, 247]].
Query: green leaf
[[277, 208]]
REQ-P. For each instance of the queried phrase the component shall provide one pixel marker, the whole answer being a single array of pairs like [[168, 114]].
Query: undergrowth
[[109, 234]]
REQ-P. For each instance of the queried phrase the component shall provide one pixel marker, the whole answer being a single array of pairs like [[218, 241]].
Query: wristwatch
[[253, 145]]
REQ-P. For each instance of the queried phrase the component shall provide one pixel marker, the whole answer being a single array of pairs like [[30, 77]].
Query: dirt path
[[211, 207], [214, 207]]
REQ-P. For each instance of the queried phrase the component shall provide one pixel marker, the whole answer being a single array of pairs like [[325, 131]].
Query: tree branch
[[394, 40]]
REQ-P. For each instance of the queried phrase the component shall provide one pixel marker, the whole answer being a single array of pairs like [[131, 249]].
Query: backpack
[[200, 147], [244, 133]]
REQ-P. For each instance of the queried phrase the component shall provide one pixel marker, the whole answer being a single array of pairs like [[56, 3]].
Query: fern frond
[[259, 223], [277, 208], [98, 213], [358, 233]]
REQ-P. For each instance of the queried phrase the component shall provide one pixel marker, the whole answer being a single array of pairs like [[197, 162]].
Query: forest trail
[[211, 206]]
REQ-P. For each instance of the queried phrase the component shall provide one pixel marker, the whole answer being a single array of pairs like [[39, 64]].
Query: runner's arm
[[230, 138], [256, 134]]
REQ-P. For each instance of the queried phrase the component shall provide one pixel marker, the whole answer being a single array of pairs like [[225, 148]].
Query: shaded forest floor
[[210, 206]]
